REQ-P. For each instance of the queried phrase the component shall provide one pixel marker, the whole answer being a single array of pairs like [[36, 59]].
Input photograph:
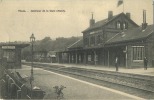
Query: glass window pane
[[138, 53], [135, 53], [141, 53]]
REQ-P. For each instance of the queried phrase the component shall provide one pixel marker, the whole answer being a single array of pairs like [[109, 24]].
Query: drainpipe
[[108, 58], [95, 57], [126, 57]]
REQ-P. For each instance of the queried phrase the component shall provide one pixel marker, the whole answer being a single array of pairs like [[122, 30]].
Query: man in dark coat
[[116, 63], [145, 63]]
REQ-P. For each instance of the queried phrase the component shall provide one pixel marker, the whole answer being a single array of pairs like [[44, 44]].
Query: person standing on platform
[[145, 63], [116, 63]]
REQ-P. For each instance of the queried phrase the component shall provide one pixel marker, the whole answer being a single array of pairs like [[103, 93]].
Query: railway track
[[139, 85]]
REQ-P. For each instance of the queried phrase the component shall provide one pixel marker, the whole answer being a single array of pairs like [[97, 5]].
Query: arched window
[[118, 25], [125, 25]]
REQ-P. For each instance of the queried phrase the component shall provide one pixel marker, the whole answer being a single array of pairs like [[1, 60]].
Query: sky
[[61, 18]]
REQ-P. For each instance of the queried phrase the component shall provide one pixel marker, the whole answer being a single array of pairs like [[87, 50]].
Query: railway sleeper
[[137, 82], [111, 80]]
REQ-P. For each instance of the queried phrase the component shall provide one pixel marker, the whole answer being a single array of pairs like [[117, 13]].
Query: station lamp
[[32, 40]]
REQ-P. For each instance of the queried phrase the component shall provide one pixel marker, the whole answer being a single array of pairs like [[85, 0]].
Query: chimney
[[144, 24], [110, 15], [92, 21], [128, 15]]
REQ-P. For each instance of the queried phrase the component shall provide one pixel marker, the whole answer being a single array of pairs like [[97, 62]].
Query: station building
[[116, 36]]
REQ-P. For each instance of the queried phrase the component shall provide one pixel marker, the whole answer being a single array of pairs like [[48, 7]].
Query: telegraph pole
[[153, 15]]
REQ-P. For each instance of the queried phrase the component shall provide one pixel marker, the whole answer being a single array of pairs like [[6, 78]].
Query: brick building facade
[[115, 36]]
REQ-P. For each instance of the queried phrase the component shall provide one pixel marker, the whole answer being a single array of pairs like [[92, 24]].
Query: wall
[[109, 30], [18, 57], [150, 50], [129, 56]]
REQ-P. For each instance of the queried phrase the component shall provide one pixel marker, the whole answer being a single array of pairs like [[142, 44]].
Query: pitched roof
[[126, 36], [131, 34], [77, 44], [104, 22], [19, 44], [97, 25]]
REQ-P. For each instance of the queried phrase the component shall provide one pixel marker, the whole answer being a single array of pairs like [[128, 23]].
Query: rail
[[141, 83]]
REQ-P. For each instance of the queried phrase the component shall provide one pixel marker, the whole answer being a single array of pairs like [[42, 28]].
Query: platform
[[75, 89], [140, 71]]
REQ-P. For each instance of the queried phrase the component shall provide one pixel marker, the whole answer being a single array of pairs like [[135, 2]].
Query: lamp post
[[32, 40]]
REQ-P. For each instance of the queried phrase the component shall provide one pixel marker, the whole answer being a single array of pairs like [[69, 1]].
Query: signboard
[[8, 47], [95, 32]]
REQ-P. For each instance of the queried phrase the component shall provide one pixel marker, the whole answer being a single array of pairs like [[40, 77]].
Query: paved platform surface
[[75, 89], [140, 71]]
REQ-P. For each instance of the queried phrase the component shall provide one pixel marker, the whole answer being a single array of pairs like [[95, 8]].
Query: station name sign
[[8, 47], [95, 32]]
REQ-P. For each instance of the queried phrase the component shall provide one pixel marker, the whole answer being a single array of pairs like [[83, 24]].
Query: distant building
[[115, 36], [45, 56], [52, 55]]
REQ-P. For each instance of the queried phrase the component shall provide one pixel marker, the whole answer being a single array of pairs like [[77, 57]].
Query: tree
[[47, 44]]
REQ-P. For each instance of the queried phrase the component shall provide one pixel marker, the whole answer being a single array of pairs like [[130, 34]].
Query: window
[[125, 25], [89, 57], [118, 26], [79, 57], [86, 41], [138, 52], [92, 40], [99, 39], [72, 57], [121, 25]]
